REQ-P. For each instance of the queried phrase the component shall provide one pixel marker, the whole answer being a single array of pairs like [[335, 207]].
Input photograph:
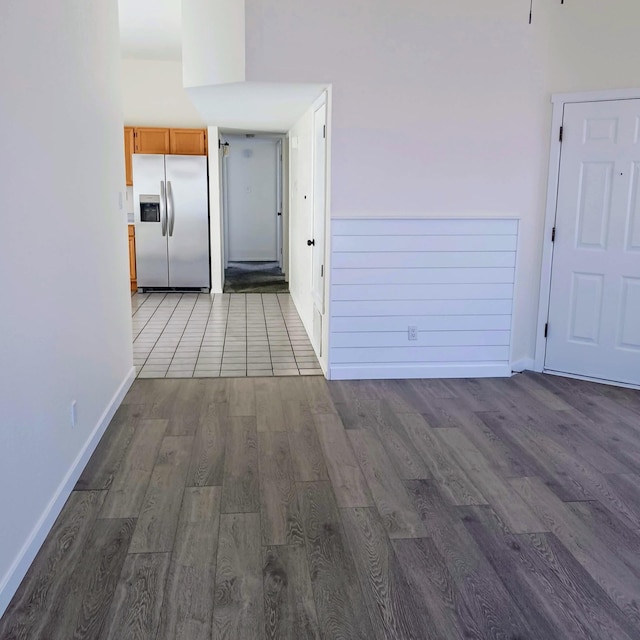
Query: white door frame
[[326, 99], [559, 100]]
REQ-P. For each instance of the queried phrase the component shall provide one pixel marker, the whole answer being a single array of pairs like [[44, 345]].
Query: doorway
[[592, 327], [252, 186]]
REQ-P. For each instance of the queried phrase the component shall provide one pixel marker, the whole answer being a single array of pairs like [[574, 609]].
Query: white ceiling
[[151, 29]]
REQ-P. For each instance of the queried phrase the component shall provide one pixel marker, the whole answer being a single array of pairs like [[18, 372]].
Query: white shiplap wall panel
[[423, 243], [439, 259], [420, 354], [355, 324], [485, 291], [430, 227], [425, 339], [358, 308], [422, 276], [452, 279]]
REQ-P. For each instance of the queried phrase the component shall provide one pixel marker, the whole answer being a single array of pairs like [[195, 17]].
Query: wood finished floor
[[299, 509]]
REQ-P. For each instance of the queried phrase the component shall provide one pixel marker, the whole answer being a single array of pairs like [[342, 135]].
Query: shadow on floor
[[254, 277]]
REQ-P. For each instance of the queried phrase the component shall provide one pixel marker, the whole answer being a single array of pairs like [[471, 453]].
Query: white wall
[[153, 95], [300, 216], [251, 185], [443, 108], [65, 320], [213, 42]]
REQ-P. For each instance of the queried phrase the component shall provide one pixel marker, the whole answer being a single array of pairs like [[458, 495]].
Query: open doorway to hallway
[[254, 216]]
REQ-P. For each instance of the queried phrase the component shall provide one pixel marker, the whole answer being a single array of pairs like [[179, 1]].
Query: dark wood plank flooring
[[256, 509]]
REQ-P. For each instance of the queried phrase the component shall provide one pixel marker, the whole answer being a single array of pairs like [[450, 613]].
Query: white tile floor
[[195, 335]]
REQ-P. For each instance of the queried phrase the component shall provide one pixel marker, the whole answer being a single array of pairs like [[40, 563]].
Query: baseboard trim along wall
[[525, 364], [422, 297], [18, 569], [401, 370]]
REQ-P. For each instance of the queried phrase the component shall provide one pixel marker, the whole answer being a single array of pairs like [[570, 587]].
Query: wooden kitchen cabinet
[[128, 151], [191, 142], [132, 258], [152, 140], [162, 140]]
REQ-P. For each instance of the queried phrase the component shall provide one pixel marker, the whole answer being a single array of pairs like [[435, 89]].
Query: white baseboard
[[524, 364], [12, 579], [431, 370]]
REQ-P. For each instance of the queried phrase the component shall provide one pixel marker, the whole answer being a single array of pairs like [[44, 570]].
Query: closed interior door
[[594, 308], [279, 205], [188, 221], [251, 212], [319, 205]]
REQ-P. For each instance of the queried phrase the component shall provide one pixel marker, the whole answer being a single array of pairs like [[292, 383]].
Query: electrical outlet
[[74, 413], [413, 332]]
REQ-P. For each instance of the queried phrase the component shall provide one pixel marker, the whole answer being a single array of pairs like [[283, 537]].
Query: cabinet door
[[128, 150], [152, 140], [132, 257], [189, 142]]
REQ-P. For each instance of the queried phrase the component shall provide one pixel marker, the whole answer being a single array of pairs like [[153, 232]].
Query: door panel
[[188, 228], [586, 308], [152, 140], [595, 204], [633, 215], [188, 142], [319, 195], [629, 334], [280, 204], [151, 243], [595, 290]]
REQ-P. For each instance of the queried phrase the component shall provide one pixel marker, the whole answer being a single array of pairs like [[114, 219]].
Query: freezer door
[[188, 221], [151, 220]]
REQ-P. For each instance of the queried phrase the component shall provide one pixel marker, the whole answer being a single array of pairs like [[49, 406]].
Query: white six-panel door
[[594, 308]]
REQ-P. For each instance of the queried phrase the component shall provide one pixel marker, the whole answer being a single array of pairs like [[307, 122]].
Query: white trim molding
[[559, 100], [14, 576], [524, 364], [430, 370]]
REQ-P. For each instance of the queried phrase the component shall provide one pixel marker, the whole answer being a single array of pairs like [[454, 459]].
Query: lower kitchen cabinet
[[132, 257]]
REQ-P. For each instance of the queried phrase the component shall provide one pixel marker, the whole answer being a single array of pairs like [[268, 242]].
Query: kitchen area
[[169, 166], [179, 329]]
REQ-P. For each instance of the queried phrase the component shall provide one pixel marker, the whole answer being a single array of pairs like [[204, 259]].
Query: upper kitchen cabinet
[[152, 140], [189, 142], [128, 150]]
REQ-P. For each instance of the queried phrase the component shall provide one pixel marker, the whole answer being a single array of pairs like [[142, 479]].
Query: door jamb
[[559, 100]]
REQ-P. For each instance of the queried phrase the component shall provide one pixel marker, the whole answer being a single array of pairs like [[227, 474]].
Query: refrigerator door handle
[[170, 208], [163, 209]]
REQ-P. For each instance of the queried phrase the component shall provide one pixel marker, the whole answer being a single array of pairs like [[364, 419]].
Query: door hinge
[[324, 130], [546, 329], [553, 234], [561, 133], [322, 271], [279, 213]]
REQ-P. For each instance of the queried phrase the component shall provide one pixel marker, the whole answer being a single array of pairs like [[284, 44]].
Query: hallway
[[189, 335]]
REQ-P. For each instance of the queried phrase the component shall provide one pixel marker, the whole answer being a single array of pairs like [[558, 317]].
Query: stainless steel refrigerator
[[171, 216]]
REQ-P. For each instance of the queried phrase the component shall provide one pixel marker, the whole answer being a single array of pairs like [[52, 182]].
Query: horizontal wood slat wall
[[453, 279]]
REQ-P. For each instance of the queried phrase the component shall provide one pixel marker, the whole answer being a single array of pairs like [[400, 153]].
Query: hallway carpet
[[254, 277]]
